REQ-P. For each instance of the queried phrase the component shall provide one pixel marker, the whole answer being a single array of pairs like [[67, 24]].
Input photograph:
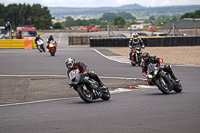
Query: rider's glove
[[162, 65], [85, 74], [143, 46]]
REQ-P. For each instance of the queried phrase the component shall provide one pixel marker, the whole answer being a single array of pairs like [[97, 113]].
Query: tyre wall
[[148, 41]]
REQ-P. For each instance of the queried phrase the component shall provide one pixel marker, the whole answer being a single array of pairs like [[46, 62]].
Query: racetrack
[[143, 110]]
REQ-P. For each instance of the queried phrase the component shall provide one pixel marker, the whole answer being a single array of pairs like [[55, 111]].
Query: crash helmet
[[135, 35], [50, 36], [145, 55], [69, 62]]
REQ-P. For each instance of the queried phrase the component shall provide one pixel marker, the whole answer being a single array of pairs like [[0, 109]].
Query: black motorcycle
[[87, 88], [136, 55], [162, 79]]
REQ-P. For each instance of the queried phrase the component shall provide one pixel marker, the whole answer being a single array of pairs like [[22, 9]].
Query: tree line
[[25, 14], [121, 19], [195, 14], [118, 19]]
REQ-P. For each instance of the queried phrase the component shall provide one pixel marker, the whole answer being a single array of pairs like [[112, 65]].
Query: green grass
[[40, 33]]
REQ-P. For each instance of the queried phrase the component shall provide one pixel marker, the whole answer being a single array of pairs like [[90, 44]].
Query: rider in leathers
[[133, 43], [48, 41], [147, 59], [36, 39], [71, 64]]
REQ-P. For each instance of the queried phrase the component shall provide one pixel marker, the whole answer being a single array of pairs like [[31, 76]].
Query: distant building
[[185, 26]]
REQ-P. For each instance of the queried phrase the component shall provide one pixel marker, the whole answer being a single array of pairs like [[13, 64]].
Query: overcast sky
[[103, 3]]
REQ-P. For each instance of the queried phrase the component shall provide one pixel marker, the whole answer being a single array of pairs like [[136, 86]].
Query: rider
[[36, 39], [133, 43], [147, 59], [48, 41], [71, 64]]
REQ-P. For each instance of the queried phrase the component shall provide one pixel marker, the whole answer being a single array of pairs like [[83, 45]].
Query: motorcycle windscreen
[[73, 73], [151, 67]]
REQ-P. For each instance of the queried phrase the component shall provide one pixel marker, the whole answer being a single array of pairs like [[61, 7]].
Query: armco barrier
[[148, 41], [17, 44]]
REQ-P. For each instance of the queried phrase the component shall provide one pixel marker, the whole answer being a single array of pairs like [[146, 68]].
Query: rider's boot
[[175, 78], [102, 86]]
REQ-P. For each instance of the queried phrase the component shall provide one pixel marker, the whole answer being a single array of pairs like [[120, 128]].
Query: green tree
[[127, 16], [70, 22], [119, 21], [57, 25], [152, 18], [25, 14], [195, 14], [109, 16]]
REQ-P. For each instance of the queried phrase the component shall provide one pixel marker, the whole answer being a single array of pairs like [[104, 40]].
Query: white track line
[[40, 101], [107, 56], [118, 90]]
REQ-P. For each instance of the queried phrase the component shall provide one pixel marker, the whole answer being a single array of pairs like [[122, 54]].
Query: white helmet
[[135, 35], [69, 62]]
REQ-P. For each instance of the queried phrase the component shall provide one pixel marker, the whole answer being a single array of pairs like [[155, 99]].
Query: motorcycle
[[162, 79], [40, 45], [136, 55], [87, 88], [52, 47]]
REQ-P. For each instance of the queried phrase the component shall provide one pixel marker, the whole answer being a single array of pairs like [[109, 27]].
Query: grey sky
[[103, 3]]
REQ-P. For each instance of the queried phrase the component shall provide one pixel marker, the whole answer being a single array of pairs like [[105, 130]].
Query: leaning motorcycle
[[136, 55], [87, 88], [52, 47], [162, 79], [40, 45]]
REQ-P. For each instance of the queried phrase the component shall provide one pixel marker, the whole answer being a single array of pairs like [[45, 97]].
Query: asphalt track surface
[[140, 111]]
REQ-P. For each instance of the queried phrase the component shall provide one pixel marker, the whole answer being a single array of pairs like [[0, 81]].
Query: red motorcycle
[[136, 55], [52, 47]]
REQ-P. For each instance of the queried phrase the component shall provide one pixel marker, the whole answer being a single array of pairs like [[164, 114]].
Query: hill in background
[[140, 12]]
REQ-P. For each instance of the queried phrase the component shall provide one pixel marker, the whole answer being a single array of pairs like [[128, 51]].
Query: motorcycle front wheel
[[52, 52], [178, 88], [139, 60], [105, 95], [85, 94], [163, 87], [43, 48]]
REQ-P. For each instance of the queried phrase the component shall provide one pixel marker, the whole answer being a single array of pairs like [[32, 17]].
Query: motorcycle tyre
[[133, 64], [178, 88], [39, 49], [52, 52], [43, 49], [161, 88], [139, 60], [105, 95], [83, 96]]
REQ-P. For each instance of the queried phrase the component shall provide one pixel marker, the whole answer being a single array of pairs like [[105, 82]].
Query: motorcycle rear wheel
[[85, 94]]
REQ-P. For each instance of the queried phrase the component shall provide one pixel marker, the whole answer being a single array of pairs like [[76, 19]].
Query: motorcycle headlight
[[150, 76], [51, 45]]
